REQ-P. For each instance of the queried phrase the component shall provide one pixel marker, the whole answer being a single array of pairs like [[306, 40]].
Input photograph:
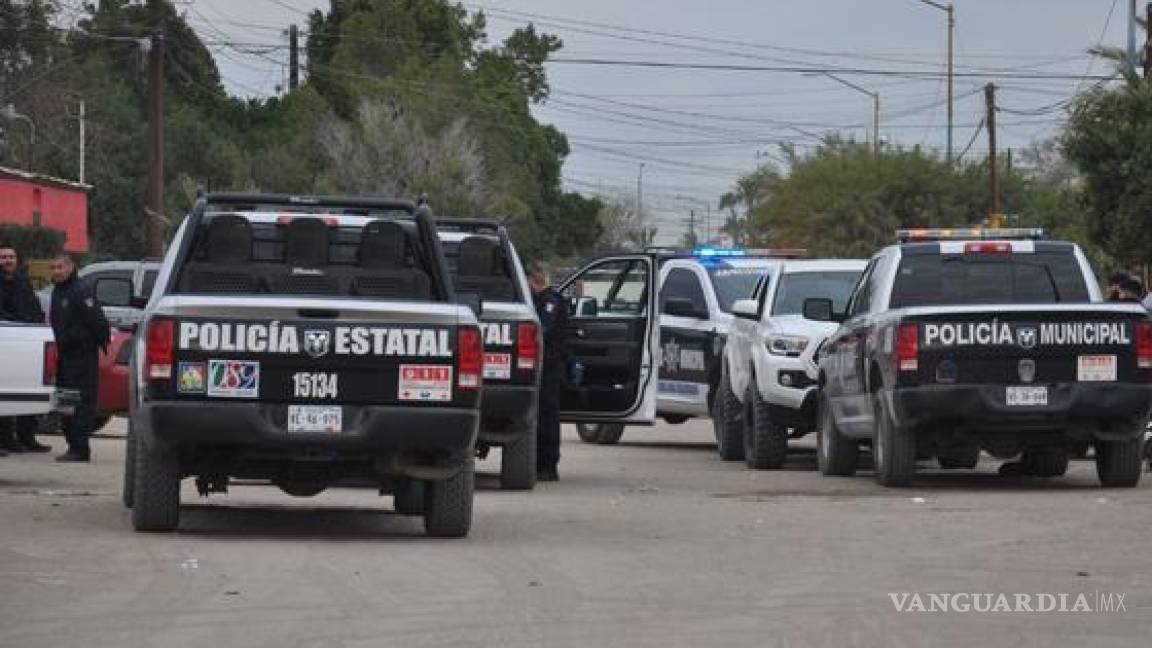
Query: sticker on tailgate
[[425, 383], [1096, 368], [191, 378], [497, 366], [233, 379]]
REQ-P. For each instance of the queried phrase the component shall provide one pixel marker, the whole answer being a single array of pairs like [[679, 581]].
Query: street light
[[947, 8], [875, 107], [9, 112]]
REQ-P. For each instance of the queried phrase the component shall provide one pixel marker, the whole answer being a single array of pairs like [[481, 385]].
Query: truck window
[[958, 279], [478, 264], [321, 255], [733, 283], [795, 287], [682, 283]]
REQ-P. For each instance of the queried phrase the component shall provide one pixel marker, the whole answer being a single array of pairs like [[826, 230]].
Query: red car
[[113, 397]]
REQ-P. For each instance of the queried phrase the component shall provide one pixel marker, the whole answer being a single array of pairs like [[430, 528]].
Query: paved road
[[651, 543]]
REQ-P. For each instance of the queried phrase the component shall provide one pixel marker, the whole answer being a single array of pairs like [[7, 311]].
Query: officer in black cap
[[552, 310], [81, 332]]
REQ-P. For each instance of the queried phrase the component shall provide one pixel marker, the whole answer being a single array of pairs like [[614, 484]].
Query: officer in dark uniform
[[553, 312], [81, 332], [18, 303]]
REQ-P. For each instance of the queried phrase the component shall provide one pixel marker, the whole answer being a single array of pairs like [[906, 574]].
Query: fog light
[[786, 379]]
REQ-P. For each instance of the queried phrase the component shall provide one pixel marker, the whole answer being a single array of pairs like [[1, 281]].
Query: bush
[[32, 241]]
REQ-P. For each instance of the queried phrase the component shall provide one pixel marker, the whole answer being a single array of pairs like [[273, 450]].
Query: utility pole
[[1148, 41], [993, 161], [293, 58], [1132, 35], [83, 150], [640, 192], [951, 11], [875, 108], [154, 212]]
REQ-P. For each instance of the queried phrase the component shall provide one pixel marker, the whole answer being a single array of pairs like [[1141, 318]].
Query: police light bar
[[970, 233], [719, 252]]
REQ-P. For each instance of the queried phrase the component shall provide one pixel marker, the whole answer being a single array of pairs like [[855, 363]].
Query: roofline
[[29, 176], [302, 200], [833, 265]]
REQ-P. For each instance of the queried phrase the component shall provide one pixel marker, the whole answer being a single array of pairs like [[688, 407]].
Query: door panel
[[610, 332]]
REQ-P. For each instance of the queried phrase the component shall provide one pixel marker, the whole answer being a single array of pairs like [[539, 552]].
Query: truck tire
[[765, 443], [1045, 463], [1118, 463], [518, 463], [893, 452], [408, 497], [728, 421], [126, 489], [156, 489], [448, 504], [835, 455], [600, 433]]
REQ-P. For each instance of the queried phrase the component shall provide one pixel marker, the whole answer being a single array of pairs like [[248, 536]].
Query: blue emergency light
[[718, 252]]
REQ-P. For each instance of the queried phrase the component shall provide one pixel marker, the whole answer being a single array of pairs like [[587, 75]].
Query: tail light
[[51, 362], [908, 347], [161, 349], [1144, 345], [527, 349], [469, 358]]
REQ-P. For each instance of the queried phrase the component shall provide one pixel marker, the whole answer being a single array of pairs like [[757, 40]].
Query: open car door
[[613, 332]]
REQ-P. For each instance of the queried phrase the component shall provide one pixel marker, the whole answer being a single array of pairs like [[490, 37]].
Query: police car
[[697, 292], [767, 391], [483, 262], [960, 341]]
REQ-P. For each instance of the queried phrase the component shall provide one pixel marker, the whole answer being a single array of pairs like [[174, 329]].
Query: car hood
[[798, 325]]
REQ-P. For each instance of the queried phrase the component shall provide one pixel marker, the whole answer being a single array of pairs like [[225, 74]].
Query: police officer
[[18, 303], [553, 312], [81, 332]]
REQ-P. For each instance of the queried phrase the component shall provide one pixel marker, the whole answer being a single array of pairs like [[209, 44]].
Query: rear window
[[319, 255], [796, 287], [959, 279]]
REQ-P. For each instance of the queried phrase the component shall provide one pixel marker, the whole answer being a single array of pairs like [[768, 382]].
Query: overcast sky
[[696, 131]]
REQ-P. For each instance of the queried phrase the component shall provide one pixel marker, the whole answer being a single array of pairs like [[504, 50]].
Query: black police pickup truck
[[305, 341], [957, 341]]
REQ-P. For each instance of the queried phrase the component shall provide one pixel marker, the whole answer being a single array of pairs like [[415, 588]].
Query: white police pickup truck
[[27, 383], [697, 291], [768, 385]]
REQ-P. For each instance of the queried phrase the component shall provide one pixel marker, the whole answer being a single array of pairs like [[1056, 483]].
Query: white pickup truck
[[26, 383]]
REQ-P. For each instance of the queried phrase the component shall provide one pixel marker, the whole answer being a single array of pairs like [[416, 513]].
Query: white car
[[26, 383], [768, 388]]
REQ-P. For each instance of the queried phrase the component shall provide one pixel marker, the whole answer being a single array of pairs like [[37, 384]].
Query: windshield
[[1034, 278], [796, 287], [733, 283]]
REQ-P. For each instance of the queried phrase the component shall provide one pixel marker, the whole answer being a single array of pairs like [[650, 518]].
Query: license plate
[[315, 418], [1026, 396], [497, 366], [1096, 368]]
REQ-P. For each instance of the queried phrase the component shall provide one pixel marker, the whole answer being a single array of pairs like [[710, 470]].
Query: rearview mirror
[[819, 309], [746, 309], [680, 307], [472, 300]]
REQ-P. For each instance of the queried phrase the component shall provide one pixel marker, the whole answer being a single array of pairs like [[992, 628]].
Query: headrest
[[383, 244], [229, 239], [479, 257], [306, 243]]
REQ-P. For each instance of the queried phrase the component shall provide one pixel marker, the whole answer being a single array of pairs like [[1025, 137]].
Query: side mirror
[[746, 309], [819, 309], [472, 300], [113, 291], [585, 307], [680, 307]]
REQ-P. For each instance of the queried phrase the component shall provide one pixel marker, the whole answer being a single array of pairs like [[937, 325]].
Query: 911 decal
[[315, 385], [425, 383]]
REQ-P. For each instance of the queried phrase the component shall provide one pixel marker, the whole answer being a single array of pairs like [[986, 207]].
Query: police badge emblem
[[317, 342]]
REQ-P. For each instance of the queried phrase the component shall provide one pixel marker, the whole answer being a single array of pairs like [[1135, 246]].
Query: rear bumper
[[1109, 410], [508, 412], [371, 429]]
